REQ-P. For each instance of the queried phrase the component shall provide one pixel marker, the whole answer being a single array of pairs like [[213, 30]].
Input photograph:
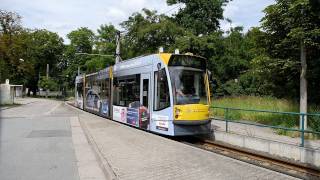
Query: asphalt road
[[36, 142]]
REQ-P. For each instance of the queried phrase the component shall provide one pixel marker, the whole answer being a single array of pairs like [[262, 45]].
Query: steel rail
[[277, 164]]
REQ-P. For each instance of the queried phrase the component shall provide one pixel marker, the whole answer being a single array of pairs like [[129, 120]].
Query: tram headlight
[[177, 112]]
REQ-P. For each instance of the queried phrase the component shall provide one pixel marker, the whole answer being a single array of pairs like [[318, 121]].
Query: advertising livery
[[163, 93]]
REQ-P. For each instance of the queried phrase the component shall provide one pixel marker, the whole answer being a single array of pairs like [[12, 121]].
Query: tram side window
[[87, 86], [80, 90], [96, 85], [126, 91], [161, 88], [104, 89]]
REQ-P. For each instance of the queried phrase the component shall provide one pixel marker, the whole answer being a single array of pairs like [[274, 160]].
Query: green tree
[[46, 48], [97, 63], [201, 16], [82, 39], [106, 39], [105, 44], [48, 83], [24, 53], [293, 31], [10, 26], [147, 31], [10, 23]]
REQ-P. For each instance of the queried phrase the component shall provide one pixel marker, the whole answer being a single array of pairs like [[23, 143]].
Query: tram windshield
[[188, 81]]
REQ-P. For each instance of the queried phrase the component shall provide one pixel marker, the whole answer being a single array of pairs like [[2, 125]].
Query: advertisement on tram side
[[120, 114], [144, 117], [133, 116], [162, 122], [92, 101], [104, 108]]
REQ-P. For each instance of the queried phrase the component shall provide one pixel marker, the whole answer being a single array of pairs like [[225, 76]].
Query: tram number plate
[[162, 125]]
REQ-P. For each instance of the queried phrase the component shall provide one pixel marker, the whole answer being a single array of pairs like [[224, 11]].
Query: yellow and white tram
[[163, 93]]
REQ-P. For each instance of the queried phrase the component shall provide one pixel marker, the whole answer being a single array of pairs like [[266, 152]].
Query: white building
[[9, 92]]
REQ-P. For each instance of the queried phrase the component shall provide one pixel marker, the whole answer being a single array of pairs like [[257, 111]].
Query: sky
[[63, 16]]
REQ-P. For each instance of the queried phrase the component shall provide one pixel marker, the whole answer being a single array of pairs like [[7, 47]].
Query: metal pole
[[303, 83], [118, 47], [78, 70], [302, 130], [47, 71], [226, 111], [47, 91]]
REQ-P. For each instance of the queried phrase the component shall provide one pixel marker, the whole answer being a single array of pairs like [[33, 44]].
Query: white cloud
[[63, 16], [246, 13]]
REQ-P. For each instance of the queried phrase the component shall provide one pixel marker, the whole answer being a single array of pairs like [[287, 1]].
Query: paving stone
[[136, 154]]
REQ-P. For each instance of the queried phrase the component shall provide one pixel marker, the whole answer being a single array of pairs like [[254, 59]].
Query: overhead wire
[[165, 12]]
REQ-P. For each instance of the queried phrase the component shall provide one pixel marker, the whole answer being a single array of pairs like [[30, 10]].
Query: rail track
[[280, 165]]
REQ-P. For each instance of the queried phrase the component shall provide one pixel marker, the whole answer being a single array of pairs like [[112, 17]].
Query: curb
[[103, 163]]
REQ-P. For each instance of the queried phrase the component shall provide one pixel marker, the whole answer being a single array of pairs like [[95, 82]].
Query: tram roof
[[138, 62], [135, 62], [147, 60]]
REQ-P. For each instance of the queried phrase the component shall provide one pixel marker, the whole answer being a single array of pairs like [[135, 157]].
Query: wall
[[300, 154], [6, 95]]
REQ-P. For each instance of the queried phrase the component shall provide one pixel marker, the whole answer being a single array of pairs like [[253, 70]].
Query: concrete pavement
[[37, 141]]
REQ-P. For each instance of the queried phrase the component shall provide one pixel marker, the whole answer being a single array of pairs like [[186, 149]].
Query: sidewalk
[[129, 153], [21, 101]]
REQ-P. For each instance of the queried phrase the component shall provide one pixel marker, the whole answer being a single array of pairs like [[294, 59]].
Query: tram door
[[145, 101]]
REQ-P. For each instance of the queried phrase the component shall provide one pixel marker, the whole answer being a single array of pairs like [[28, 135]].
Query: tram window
[[145, 94], [126, 91], [161, 88], [79, 89], [104, 89], [96, 85], [87, 85]]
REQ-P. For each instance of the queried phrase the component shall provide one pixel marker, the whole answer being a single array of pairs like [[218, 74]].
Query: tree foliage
[[147, 31], [48, 83], [24, 53], [82, 39], [201, 16], [287, 24], [106, 41]]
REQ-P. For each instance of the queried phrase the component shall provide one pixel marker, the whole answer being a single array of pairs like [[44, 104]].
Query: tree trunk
[[303, 85]]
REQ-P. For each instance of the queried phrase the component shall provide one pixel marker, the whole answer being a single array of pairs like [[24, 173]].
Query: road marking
[[53, 109]]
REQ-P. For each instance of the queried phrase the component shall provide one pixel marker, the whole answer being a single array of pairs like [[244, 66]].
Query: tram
[[163, 93]]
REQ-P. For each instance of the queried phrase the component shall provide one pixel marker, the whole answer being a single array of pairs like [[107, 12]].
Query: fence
[[302, 116], [42, 93], [56, 94]]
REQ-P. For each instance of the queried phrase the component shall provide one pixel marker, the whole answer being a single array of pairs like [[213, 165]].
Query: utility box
[[9, 92], [17, 90]]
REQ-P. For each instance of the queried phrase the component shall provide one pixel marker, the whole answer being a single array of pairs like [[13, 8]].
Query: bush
[[47, 83]]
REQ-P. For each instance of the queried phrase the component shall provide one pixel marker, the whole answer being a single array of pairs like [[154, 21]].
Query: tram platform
[[128, 153]]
